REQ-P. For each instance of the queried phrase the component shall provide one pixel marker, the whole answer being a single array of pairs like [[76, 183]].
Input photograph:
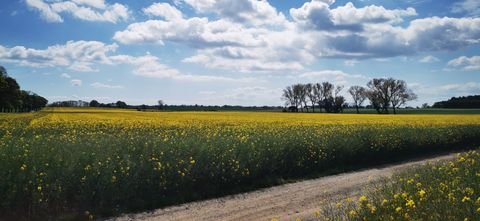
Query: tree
[[121, 104], [161, 104], [301, 94], [94, 103], [318, 94], [310, 90], [385, 92], [290, 98], [327, 93], [379, 94], [359, 95], [399, 93], [14, 99]]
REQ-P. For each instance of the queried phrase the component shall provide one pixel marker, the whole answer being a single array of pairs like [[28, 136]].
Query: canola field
[[440, 191], [88, 163]]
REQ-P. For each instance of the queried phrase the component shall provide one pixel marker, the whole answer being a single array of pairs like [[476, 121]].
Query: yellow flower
[[362, 199], [465, 199], [384, 202], [352, 213], [469, 191], [410, 203], [422, 193], [398, 209]]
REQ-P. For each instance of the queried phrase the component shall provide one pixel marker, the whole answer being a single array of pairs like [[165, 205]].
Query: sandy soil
[[285, 202]]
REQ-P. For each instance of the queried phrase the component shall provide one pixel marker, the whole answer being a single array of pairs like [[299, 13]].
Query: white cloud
[[100, 4], [108, 86], [429, 59], [45, 10], [318, 15], [76, 82], [65, 75], [247, 12], [164, 10], [351, 63], [334, 76], [89, 10], [317, 31], [472, 7], [251, 95], [150, 66], [471, 87], [75, 55], [466, 63]]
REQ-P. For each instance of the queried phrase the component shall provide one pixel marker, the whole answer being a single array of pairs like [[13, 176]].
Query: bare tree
[[379, 94], [400, 93], [290, 98], [301, 96], [310, 89], [385, 92], [318, 94], [327, 92], [359, 95]]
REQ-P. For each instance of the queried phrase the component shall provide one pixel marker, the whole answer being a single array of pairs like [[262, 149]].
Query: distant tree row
[[93, 103], [383, 94], [459, 102], [323, 95], [13, 99]]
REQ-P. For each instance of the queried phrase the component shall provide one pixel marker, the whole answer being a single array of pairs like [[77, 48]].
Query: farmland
[[85, 163]]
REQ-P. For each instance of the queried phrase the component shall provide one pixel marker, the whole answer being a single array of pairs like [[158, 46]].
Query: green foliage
[[12, 99]]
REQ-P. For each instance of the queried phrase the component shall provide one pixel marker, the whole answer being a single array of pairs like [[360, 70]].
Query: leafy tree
[[121, 104], [161, 104], [94, 103], [14, 99]]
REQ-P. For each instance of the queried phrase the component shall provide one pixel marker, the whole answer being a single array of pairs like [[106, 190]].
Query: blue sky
[[237, 52]]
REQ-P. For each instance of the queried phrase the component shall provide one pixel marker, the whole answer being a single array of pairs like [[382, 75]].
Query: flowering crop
[[89, 162], [441, 191]]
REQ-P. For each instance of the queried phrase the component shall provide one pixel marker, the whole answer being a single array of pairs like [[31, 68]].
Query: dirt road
[[285, 202]]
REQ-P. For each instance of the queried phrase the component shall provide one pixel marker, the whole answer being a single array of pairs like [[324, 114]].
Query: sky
[[237, 52]]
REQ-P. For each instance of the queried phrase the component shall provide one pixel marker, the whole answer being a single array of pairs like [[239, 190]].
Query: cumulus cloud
[[316, 31], [466, 63], [150, 66], [335, 76], [429, 59], [75, 55], [164, 10], [89, 10], [471, 87], [318, 15], [108, 86], [249, 12], [471, 7], [76, 82], [252, 95], [65, 75]]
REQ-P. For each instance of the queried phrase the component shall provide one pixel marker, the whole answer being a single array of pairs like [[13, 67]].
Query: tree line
[[13, 99], [459, 102], [383, 94]]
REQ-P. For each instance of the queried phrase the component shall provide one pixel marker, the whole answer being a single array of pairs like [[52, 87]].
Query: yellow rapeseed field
[[88, 162]]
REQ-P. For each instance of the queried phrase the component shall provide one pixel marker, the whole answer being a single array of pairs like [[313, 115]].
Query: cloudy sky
[[236, 51]]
